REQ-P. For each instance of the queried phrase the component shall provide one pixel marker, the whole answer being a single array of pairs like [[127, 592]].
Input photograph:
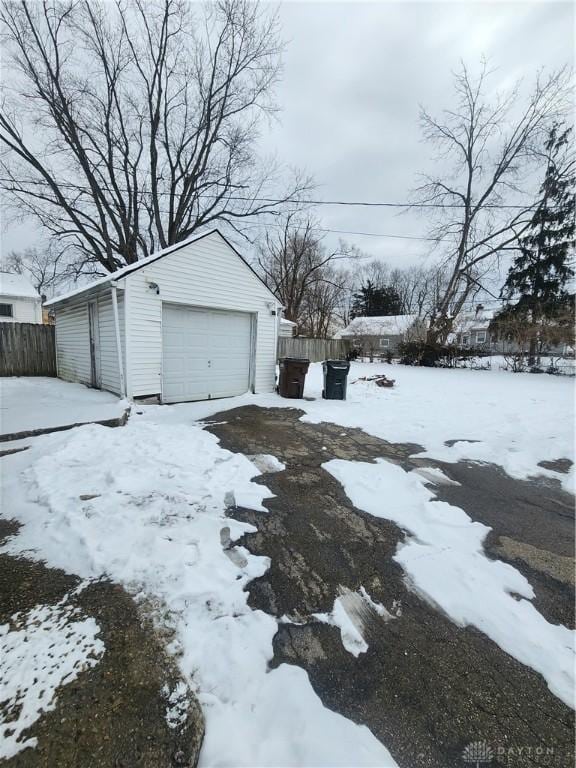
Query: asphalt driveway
[[426, 687]]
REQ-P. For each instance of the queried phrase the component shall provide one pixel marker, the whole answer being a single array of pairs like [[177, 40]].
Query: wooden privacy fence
[[27, 349], [314, 349]]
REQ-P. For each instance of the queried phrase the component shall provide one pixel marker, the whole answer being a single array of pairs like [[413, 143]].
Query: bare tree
[[46, 268], [129, 125], [293, 262], [323, 303], [486, 147], [419, 289]]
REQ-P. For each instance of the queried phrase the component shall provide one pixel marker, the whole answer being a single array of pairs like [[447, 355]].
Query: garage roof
[[124, 271]]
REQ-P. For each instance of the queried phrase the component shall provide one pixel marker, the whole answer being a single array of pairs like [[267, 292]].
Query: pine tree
[[376, 301], [535, 288]]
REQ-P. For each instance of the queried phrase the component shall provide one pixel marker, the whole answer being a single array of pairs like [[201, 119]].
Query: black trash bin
[[335, 379], [293, 372]]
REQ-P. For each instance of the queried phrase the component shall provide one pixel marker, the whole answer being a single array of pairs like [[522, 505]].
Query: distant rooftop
[[17, 286]]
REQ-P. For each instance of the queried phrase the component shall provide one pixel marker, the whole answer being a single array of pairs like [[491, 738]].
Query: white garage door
[[205, 353]]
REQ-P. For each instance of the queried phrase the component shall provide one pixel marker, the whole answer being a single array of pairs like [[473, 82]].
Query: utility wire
[[298, 201], [348, 232]]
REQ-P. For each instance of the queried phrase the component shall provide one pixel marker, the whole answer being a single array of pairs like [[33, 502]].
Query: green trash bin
[[335, 379]]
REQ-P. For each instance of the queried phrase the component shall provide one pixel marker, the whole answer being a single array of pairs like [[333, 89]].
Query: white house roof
[[287, 323], [473, 321], [17, 286], [393, 325], [124, 271]]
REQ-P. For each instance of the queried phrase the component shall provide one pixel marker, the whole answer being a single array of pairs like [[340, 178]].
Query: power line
[[351, 232], [298, 201]]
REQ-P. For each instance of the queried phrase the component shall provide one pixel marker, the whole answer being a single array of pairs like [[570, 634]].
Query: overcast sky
[[355, 75]]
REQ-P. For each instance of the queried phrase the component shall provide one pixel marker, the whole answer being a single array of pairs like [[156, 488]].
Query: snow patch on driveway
[[267, 463], [40, 651], [145, 505], [350, 613], [445, 562]]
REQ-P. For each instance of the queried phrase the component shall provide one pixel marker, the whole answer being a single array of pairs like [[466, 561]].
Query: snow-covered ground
[[151, 517], [145, 505], [517, 420], [28, 403]]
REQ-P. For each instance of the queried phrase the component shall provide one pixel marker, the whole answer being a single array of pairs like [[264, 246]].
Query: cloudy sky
[[355, 75]]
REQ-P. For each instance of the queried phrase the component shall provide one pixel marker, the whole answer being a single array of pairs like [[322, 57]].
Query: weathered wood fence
[[27, 349], [314, 349]]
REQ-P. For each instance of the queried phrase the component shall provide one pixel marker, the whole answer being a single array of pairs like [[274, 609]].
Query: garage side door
[[206, 353]]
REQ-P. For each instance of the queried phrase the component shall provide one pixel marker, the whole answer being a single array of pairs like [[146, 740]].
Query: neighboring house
[[287, 328], [19, 300], [471, 329], [381, 335], [191, 322]]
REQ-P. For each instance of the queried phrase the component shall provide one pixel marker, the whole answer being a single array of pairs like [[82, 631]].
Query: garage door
[[205, 353]]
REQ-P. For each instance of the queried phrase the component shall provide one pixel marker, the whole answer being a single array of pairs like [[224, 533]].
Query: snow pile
[[40, 651], [145, 505], [350, 613], [445, 562]]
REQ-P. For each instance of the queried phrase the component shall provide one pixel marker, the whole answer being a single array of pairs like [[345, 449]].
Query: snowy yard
[[145, 506], [28, 404], [514, 420]]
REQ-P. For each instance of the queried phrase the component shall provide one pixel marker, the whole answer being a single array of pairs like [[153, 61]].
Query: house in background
[[19, 300], [287, 328], [472, 329], [191, 322], [380, 336]]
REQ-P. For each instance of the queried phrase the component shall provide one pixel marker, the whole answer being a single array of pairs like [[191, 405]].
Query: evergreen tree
[[376, 301], [535, 288]]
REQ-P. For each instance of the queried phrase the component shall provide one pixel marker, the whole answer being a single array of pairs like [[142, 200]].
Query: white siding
[[73, 343], [206, 273], [23, 310]]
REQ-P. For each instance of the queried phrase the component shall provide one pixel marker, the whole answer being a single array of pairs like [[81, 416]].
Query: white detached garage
[[192, 322]]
